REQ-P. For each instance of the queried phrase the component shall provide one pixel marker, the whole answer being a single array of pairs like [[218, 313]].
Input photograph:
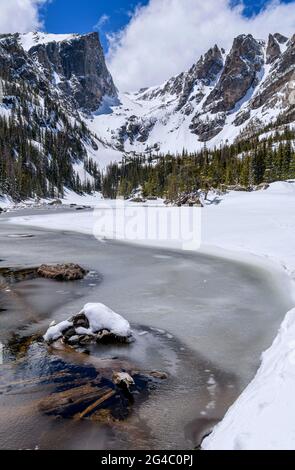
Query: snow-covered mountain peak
[[223, 95], [29, 40]]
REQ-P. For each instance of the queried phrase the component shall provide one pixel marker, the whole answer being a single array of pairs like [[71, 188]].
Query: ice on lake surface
[[205, 320]]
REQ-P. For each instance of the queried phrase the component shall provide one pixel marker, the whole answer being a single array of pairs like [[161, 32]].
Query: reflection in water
[[42, 384]]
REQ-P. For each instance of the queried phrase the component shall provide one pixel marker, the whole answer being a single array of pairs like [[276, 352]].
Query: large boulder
[[62, 272], [96, 323]]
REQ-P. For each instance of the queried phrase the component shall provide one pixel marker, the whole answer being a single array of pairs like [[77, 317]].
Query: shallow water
[[210, 321]]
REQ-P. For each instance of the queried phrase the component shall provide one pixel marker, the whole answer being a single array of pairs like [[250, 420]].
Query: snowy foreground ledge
[[99, 319], [263, 417]]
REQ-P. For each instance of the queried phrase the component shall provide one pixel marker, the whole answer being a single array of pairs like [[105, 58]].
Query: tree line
[[39, 144], [245, 163]]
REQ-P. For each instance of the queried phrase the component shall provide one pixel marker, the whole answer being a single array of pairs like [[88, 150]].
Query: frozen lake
[[207, 321]]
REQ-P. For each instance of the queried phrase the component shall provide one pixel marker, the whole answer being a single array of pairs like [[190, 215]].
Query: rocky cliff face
[[72, 65], [77, 67], [49, 84], [240, 74]]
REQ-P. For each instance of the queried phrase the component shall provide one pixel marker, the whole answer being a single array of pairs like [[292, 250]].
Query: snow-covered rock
[[94, 321], [101, 317]]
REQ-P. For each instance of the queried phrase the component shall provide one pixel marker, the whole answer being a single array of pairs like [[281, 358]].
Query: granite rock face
[[77, 66], [239, 75], [273, 50]]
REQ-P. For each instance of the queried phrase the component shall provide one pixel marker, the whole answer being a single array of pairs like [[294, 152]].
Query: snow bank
[[100, 317], [264, 415]]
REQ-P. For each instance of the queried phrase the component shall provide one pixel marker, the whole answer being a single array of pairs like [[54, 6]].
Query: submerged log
[[76, 402]]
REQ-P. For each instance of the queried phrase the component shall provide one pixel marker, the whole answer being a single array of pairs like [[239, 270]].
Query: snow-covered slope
[[29, 40], [225, 95]]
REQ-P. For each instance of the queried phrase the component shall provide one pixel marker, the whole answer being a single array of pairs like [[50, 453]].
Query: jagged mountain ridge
[[222, 97]]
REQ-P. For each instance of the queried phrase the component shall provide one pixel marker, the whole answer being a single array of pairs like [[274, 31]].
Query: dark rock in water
[[123, 380], [13, 275], [158, 375], [80, 320], [1, 210], [69, 333], [62, 272]]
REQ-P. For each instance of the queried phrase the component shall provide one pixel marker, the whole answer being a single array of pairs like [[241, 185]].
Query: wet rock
[[158, 375], [69, 333], [73, 340], [80, 320], [62, 272], [123, 380], [95, 323], [86, 339]]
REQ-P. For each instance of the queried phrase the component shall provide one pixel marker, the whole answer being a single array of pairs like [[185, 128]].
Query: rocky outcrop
[[276, 86], [280, 38], [205, 71], [239, 75], [77, 67], [207, 128], [15, 64], [273, 50]]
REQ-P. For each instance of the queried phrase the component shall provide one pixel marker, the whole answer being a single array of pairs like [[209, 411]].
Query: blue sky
[[81, 16]]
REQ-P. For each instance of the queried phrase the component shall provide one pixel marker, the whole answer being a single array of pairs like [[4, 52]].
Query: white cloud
[[166, 37], [19, 15], [103, 20]]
